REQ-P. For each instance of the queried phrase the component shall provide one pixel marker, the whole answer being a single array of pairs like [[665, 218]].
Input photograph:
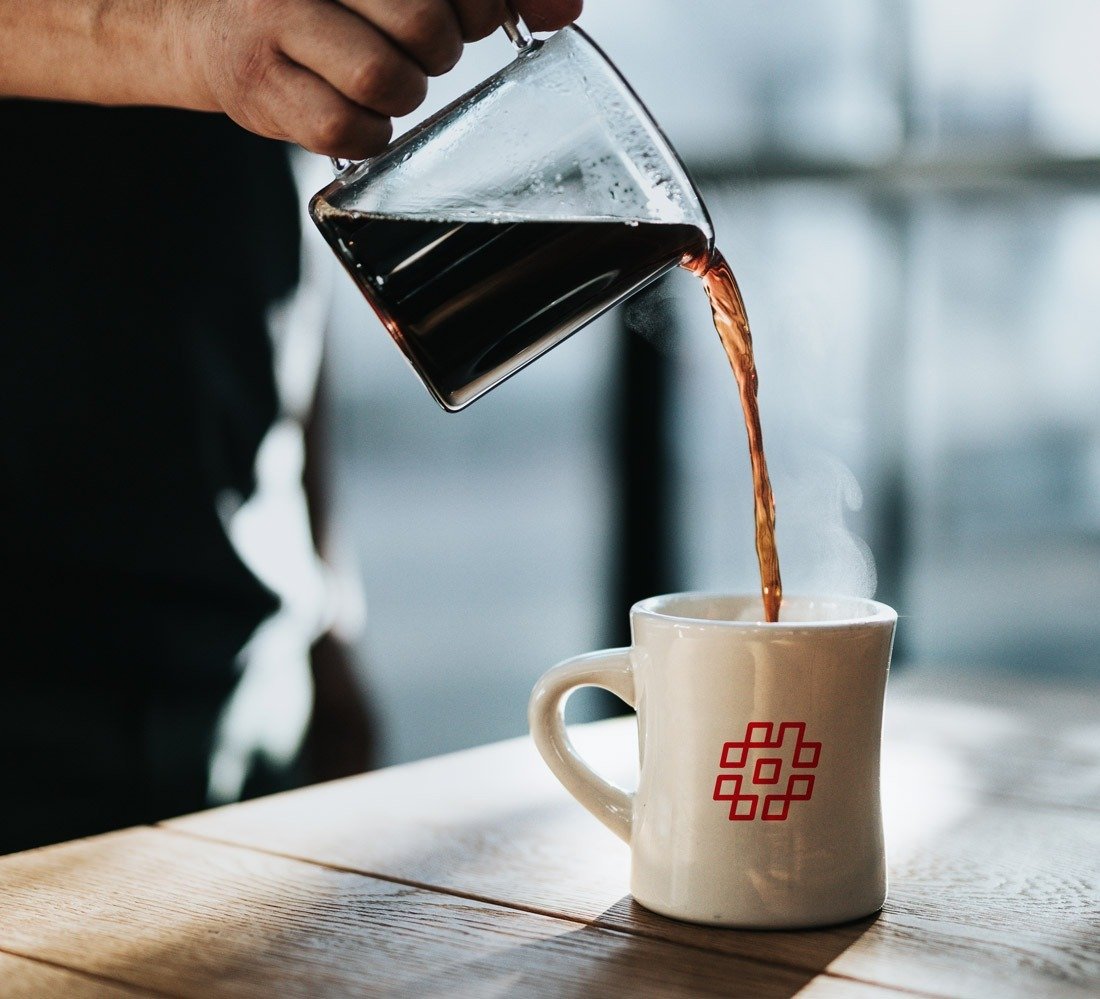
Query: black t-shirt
[[139, 252]]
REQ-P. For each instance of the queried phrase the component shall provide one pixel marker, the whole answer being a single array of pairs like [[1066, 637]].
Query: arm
[[90, 51], [326, 75]]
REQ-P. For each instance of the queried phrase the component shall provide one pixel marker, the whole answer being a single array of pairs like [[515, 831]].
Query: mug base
[[769, 922]]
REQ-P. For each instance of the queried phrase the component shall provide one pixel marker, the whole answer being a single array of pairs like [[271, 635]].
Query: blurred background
[[909, 193]]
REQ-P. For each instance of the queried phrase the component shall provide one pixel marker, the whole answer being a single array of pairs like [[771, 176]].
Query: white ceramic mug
[[758, 800]]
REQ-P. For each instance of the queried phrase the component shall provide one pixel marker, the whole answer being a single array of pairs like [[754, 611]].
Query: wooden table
[[476, 875]]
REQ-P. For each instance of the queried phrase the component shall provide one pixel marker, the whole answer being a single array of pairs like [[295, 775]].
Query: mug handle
[[612, 670]]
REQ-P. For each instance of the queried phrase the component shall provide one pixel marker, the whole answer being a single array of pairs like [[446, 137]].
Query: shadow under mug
[[758, 801]]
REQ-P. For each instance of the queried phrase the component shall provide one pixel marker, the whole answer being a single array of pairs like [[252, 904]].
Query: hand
[[330, 75]]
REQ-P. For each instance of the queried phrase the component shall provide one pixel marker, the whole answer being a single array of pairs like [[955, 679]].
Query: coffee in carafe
[[469, 299]]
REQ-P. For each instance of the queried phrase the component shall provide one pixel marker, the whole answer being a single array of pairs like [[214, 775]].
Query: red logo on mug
[[761, 759]]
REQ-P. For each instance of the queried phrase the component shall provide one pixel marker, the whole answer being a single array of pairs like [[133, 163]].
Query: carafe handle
[[517, 31], [518, 35]]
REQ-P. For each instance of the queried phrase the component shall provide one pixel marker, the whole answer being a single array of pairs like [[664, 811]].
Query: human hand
[[330, 75]]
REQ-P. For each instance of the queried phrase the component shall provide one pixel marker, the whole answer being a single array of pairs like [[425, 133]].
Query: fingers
[[316, 116], [429, 31], [329, 74], [479, 18], [354, 57], [548, 15]]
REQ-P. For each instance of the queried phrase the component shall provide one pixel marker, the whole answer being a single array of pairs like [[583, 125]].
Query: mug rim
[[876, 612]]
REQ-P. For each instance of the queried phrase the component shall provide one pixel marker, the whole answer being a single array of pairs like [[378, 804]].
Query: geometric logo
[[754, 782]]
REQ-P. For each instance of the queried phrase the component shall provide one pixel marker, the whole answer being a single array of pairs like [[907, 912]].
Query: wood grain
[[190, 918], [21, 978], [499, 884], [994, 885]]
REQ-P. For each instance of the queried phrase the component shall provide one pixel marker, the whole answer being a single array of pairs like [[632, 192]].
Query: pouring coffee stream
[[732, 324], [517, 215]]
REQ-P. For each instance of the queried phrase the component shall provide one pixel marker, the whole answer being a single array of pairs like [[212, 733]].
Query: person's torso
[[140, 252]]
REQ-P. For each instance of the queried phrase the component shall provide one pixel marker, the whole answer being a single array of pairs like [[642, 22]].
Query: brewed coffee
[[732, 323], [466, 298]]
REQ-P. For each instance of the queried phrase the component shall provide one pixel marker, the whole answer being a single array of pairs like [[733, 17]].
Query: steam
[[820, 554], [805, 370], [656, 316]]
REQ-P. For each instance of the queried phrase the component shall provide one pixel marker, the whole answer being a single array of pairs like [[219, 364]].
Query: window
[[910, 196]]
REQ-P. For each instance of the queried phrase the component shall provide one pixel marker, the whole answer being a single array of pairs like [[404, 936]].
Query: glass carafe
[[513, 217]]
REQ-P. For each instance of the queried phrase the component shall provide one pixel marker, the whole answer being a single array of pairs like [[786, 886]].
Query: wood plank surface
[[185, 917], [21, 978], [994, 860]]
